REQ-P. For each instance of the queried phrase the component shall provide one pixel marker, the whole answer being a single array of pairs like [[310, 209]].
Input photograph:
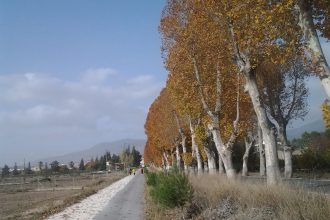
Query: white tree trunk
[[288, 162], [224, 153], [197, 154], [195, 149], [210, 161], [287, 150], [262, 169], [246, 157], [307, 25], [184, 150], [167, 164], [268, 133], [178, 157]]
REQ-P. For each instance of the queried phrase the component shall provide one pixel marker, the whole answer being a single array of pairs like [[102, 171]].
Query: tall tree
[[285, 96], [55, 166], [81, 165], [136, 157], [310, 12], [257, 30], [15, 171], [29, 170], [191, 34], [40, 164], [5, 171]]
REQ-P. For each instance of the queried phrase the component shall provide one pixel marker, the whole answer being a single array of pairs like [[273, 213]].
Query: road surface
[[127, 204]]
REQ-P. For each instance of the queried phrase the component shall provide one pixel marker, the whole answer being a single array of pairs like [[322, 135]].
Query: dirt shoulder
[[37, 199]]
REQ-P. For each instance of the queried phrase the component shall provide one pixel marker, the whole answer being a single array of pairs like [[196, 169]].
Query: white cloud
[[97, 76], [49, 114], [140, 79]]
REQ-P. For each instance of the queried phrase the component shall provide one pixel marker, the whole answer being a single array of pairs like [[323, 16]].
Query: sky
[[80, 72], [75, 73]]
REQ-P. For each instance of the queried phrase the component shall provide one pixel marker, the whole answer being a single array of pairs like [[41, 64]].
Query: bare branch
[[200, 88]]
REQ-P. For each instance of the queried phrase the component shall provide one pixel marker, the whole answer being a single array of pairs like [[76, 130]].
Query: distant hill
[[98, 150], [317, 125]]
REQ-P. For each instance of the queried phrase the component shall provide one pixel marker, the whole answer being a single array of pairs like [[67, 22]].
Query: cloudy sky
[[77, 73]]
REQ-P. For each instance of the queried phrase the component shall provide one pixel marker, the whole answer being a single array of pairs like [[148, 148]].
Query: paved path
[[127, 204]]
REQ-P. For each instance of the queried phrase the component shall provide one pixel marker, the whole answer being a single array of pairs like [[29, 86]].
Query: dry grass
[[216, 197], [32, 204], [256, 201]]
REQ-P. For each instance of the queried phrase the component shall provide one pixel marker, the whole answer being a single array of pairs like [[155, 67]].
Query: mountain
[[98, 150], [317, 125]]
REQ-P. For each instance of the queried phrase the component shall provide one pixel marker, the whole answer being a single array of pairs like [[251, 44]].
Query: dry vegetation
[[216, 197], [39, 199]]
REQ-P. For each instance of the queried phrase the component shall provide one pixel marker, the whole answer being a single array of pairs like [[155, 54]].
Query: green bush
[[172, 189], [151, 178]]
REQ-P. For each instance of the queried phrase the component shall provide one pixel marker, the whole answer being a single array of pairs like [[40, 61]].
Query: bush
[[171, 190], [151, 178]]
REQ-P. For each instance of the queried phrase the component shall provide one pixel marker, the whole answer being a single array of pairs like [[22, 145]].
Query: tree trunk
[[197, 154], [268, 133], [184, 150], [224, 153], [195, 149], [262, 169], [178, 157], [221, 169], [287, 149], [210, 161], [246, 157], [167, 164], [307, 25]]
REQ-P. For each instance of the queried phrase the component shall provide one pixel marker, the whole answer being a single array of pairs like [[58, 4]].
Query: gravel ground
[[88, 208], [126, 204]]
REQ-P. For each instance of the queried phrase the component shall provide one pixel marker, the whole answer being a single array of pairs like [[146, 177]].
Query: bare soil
[[40, 197]]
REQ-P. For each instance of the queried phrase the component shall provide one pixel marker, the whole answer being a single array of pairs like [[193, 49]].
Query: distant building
[[35, 169], [115, 166]]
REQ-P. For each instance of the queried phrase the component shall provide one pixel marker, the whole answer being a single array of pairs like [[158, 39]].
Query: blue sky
[[74, 73]]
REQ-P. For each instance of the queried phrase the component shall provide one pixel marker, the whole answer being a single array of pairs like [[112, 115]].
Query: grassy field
[[216, 197], [36, 197]]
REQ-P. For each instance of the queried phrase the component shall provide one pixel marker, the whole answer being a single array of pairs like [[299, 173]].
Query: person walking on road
[[134, 171]]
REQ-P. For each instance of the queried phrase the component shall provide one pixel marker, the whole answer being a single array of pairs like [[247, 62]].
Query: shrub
[[151, 178], [171, 190]]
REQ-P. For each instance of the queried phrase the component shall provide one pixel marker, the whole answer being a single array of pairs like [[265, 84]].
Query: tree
[[5, 171], [256, 31], [115, 158], [248, 146], [40, 164], [326, 113], [81, 165], [71, 165], [15, 171], [55, 166], [136, 157], [29, 170], [319, 11], [284, 94], [126, 157], [102, 163], [188, 32], [46, 168]]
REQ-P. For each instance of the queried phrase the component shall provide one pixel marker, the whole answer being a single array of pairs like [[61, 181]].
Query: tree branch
[[200, 89]]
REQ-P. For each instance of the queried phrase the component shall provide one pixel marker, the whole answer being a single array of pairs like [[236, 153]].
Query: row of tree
[[130, 157], [237, 72]]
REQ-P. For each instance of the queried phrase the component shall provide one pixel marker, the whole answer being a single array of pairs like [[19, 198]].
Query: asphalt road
[[128, 204]]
